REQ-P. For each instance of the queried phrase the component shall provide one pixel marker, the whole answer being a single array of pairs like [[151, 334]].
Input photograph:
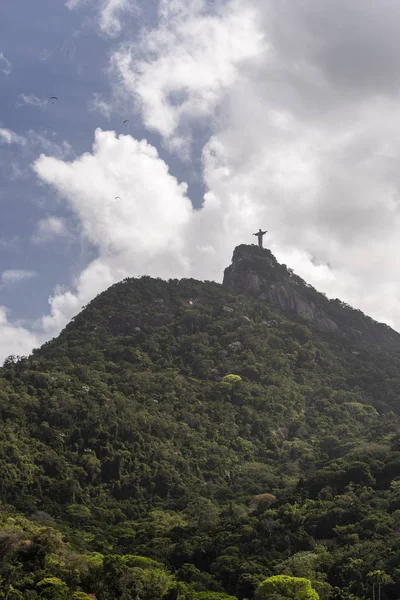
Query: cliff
[[256, 272]]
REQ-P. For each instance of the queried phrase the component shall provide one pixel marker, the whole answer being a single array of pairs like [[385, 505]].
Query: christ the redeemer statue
[[260, 234]]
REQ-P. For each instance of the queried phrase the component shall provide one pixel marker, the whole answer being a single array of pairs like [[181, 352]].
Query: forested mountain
[[187, 440]]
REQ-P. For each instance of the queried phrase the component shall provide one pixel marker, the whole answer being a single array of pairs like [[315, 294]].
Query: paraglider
[[117, 198], [125, 122], [53, 98]]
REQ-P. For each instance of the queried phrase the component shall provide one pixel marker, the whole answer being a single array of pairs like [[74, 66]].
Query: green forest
[[179, 441]]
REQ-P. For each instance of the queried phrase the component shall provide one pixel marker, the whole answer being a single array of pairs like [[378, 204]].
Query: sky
[[240, 114]]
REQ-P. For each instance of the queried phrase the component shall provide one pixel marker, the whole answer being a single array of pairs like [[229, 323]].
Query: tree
[[232, 378], [203, 514], [378, 578], [146, 584], [284, 587], [312, 566], [53, 588]]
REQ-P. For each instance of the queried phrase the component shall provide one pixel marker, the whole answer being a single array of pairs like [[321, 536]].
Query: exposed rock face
[[256, 272]]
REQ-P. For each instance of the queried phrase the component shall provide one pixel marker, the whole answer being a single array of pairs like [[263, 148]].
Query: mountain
[[186, 439]]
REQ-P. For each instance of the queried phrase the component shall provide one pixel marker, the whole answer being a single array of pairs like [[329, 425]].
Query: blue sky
[[254, 114]]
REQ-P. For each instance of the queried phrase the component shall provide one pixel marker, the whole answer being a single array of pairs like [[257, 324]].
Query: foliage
[[179, 441], [283, 587]]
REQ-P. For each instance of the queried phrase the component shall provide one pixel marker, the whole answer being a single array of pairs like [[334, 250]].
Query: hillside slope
[[212, 432]]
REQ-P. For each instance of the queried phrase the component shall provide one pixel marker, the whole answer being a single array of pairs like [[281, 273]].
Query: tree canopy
[[182, 441], [284, 587]]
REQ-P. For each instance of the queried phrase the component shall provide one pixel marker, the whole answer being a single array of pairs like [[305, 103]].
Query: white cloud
[[5, 65], [14, 338], [10, 137], [13, 276], [33, 141], [15, 164], [49, 229], [111, 13], [42, 142], [31, 100], [140, 232], [97, 103], [121, 166], [182, 69]]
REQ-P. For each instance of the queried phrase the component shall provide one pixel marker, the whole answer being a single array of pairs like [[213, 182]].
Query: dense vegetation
[[180, 441]]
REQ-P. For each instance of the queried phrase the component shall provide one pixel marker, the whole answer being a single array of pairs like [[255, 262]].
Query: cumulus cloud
[[182, 69], [13, 276], [141, 232], [132, 170], [353, 45], [49, 229], [14, 338], [5, 65]]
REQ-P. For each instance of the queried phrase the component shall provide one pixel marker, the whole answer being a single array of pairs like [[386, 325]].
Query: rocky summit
[[256, 272]]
